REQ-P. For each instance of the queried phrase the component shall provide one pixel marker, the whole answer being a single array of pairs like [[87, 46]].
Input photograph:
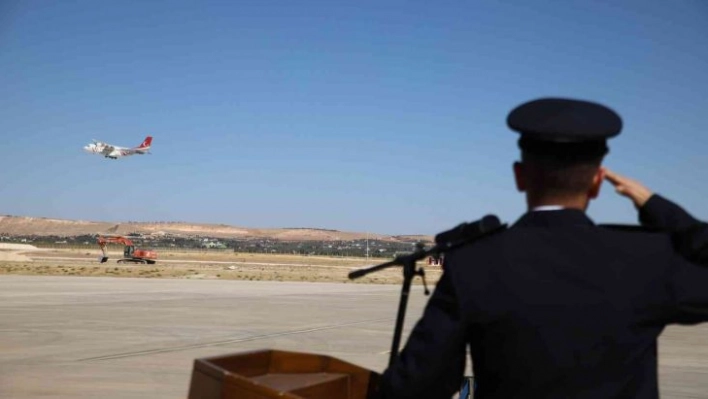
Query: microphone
[[467, 231], [358, 273]]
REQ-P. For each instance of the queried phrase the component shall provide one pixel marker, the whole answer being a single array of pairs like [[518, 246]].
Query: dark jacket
[[558, 307]]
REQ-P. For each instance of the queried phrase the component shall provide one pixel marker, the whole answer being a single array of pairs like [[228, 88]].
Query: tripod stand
[[463, 234]]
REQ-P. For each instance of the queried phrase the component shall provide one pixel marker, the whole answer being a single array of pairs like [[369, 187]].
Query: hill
[[38, 226]]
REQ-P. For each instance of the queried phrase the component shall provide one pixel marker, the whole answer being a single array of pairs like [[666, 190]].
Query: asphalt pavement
[[96, 337]]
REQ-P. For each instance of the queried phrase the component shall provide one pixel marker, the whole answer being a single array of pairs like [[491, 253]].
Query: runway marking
[[230, 341]]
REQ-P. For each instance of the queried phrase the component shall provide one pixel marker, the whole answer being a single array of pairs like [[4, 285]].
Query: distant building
[[213, 244]]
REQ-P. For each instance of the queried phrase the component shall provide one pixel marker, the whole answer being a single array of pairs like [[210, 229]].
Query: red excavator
[[130, 253]]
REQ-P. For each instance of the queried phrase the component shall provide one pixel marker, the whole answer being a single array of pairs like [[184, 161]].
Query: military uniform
[[556, 306]]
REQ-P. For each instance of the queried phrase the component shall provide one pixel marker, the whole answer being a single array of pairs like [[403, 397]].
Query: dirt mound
[[6, 246], [13, 252]]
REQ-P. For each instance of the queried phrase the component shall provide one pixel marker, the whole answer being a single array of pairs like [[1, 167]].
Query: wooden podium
[[267, 374]]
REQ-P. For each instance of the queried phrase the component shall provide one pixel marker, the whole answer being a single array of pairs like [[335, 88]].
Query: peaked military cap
[[564, 128]]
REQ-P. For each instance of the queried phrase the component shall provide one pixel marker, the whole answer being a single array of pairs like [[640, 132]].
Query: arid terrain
[[26, 259], [29, 260], [26, 226]]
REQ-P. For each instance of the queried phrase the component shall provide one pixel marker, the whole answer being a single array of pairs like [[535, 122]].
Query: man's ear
[[519, 176], [597, 180]]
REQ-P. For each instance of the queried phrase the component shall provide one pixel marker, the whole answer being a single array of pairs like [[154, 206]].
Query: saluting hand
[[629, 188]]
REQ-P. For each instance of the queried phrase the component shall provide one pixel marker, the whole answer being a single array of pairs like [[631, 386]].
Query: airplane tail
[[146, 143]]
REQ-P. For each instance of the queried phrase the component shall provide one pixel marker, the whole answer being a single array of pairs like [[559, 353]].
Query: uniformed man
[[557, 306]]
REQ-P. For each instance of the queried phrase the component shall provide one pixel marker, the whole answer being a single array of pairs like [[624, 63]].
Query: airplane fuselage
[[115, 152]]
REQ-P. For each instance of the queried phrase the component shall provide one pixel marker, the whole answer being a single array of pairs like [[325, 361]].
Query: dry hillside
[[27, 226]]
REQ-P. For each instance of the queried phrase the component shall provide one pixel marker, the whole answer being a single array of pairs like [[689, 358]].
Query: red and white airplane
[[115, 152]]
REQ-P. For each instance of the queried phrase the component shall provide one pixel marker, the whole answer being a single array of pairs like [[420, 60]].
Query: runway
[[103, 337], [96, 337]]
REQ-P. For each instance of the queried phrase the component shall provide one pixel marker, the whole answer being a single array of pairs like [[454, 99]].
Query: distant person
[[556, 306]]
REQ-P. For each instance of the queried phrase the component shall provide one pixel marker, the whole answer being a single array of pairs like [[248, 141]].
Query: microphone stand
[[460, 236]]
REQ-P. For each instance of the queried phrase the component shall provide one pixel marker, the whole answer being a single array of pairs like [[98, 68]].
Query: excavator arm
[[104, 240]]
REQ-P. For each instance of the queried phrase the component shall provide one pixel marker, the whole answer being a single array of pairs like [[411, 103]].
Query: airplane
[[115, 152]]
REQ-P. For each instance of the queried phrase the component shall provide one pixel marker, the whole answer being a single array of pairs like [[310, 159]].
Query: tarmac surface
[[103, 337], [106, 337]]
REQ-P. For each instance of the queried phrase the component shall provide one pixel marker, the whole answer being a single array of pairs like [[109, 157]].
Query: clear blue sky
[[380, 116]]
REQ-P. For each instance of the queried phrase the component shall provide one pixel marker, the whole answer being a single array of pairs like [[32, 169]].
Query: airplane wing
[[107, 149]]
